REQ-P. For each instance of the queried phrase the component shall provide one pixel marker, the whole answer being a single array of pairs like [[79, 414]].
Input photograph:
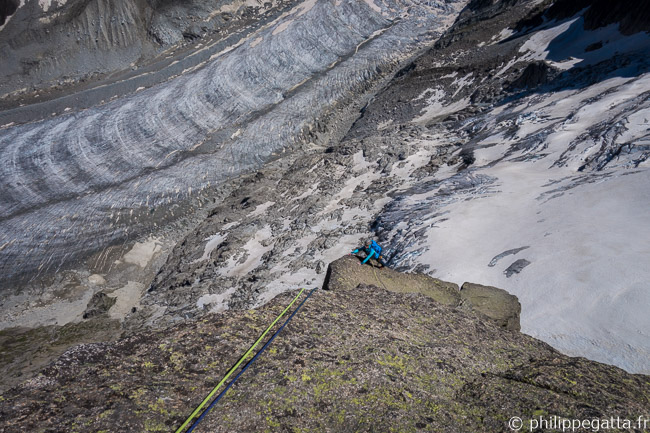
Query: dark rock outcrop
[[99, 304], [534, 75], [632, 16], [7, 8], [516, 267]]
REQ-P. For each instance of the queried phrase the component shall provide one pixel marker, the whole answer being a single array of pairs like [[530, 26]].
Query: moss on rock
[[357, 358]]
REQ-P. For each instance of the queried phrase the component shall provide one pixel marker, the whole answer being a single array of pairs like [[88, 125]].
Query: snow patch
[[350, 186], [143, 252], [217, 302], [253, 251], [46, 4], [261, 209], [128, 297], [460, 83], [96, 280], [589, 228], [230, 225], [438, 109], [213, 242], [281, 27], [404, 169], [588, 237], [503, 35], [384, 125], [360, 163]]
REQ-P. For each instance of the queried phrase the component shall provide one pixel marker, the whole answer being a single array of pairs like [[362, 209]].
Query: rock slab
[[364, 359], [493, 303]]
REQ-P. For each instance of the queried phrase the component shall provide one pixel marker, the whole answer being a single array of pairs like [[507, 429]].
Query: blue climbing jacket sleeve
[[355, 251], [372, 253]]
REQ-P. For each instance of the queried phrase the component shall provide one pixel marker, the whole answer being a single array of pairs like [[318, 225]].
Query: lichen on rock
[[356, 357]]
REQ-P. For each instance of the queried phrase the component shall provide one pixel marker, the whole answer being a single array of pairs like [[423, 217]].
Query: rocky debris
[[355, 358], [516, 267], [25, 351], [290, 218], [534, 75], [461, 67], [497, 304], [99, 304]]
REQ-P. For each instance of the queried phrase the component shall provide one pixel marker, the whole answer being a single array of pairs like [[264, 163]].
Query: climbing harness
[[242, 359]]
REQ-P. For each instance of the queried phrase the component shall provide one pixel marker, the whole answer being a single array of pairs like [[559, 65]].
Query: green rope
[[242, 359], [379, 279]]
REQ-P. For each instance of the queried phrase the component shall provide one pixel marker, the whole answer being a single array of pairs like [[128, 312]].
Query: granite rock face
[[490, 302], [348, 272], [495, 303], [355, 358]]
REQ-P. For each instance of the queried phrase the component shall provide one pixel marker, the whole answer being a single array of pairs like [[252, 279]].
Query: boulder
[[347, 273], [99, 304], [492, 302]]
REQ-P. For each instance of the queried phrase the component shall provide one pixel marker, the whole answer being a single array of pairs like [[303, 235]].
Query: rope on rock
[[242, 359], [379, 279], [216, 400]]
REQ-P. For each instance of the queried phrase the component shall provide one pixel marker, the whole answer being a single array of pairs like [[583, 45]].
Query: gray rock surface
[[516, 267], [495, 303], [347, 273], [98, 305], [352, 359]]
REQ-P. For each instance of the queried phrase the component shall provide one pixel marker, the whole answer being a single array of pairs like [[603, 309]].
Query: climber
[[372, 249]]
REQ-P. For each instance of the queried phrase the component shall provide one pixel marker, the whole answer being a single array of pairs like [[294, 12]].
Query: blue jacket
[[370, 252]]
